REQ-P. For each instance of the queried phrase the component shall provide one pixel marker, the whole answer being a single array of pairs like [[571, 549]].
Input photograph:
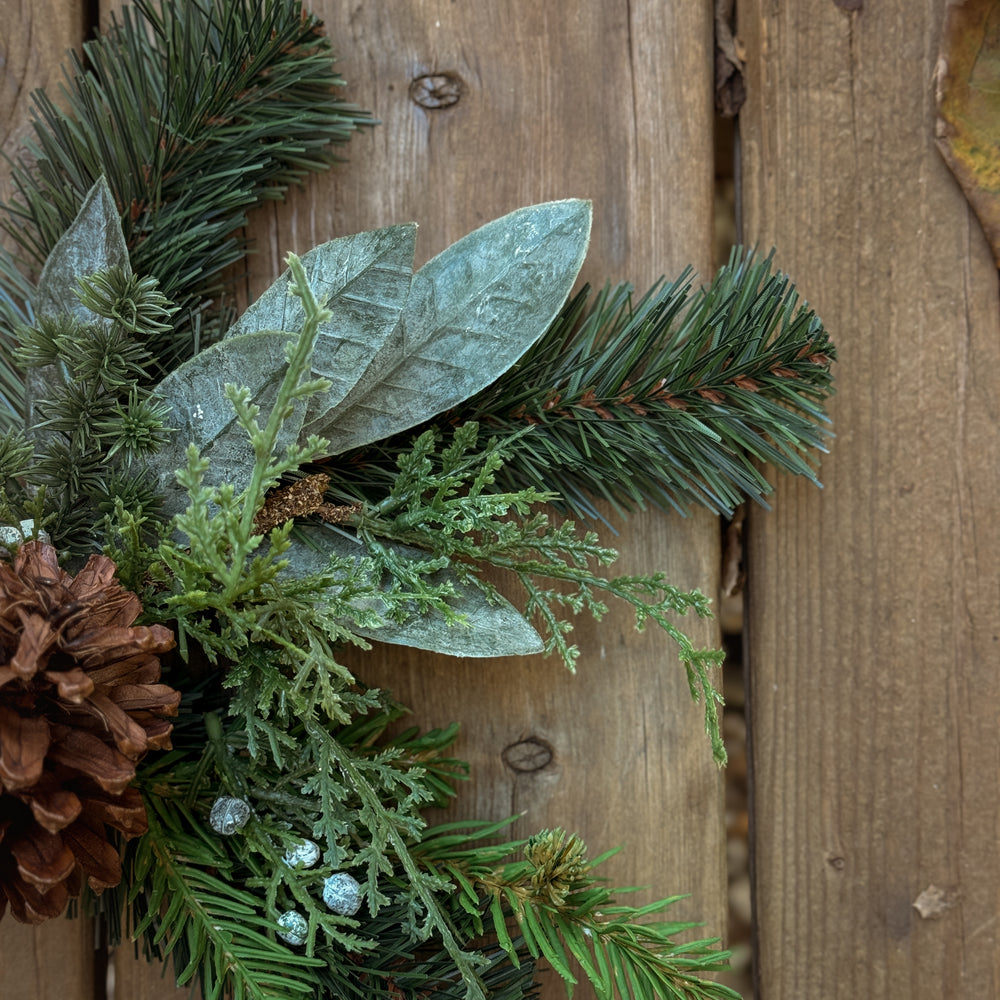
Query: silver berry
[[229, 815], [295, 927], [342, 894], [304, 854]]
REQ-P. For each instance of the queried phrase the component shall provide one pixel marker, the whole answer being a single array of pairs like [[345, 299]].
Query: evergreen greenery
[[195, 111], [304, 744], [672, 399], [100, 419]]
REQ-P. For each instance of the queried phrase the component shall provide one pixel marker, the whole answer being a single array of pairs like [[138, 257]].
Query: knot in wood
[[528, 755], [434, 91]]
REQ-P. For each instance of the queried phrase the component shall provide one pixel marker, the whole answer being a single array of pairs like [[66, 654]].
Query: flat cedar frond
[[441, 502], [193, 119]]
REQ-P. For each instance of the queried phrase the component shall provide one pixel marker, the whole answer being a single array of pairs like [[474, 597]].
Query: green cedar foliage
[[194, 112], [442, 501], [303, 743]]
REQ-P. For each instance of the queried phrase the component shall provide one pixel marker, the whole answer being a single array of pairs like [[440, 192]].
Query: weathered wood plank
[[874, 616], [611, 103], [34, 39], [136, 979], [52, 962], [55, 960]]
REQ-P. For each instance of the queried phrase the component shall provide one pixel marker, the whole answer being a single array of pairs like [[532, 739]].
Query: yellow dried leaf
[[968, 99]]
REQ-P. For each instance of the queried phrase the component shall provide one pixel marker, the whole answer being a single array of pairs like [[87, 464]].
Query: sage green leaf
[[93, 242], [364, 280], [492, 629], [201, 413], [472, 312]]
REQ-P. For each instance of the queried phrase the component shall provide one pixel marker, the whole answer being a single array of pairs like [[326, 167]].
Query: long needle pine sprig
[[672, 399], [193, 117]]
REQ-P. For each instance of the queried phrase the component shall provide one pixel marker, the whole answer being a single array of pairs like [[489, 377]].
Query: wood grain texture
[[134, 978], [34, 38], [54, 961], [874, 623], [611, 102]]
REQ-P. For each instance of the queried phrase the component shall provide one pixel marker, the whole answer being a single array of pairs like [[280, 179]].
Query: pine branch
[[98, 424], [194, 115], [564, 912], [671, 400], [194, 909]]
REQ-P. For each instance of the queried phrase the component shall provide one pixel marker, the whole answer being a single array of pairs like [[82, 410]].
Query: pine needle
[[193, 118]]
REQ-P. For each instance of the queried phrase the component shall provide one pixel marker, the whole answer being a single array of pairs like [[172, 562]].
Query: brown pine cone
[[79, 706]]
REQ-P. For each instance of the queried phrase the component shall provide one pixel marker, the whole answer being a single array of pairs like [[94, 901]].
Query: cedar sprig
[[670, 399], [194, 114], [441, 502]]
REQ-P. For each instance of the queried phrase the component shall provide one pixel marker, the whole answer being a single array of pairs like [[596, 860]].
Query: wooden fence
[[873, 636]]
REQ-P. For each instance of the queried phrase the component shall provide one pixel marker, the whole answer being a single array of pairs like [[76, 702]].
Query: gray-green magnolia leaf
[[472, 312], [364, 280], [200, 412], [93, 242], [492, 629]]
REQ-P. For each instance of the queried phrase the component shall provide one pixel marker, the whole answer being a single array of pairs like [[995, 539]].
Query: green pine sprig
[[192, 908], [98, 423], [670, 399], [194, 115], [562, 912]]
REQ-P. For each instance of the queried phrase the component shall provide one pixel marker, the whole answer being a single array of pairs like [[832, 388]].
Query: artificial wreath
[[201, 510]]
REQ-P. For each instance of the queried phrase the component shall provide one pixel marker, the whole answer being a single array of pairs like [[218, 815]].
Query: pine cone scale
[[126, 812], [98, 858], [23, 745], [89, 755], [158, 733], [150, 697], [129, 736], [74, 685], [141, 669], [52, 806], [37, 637], [30, 906], [96, 576], [44, 860], [96, 646]]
